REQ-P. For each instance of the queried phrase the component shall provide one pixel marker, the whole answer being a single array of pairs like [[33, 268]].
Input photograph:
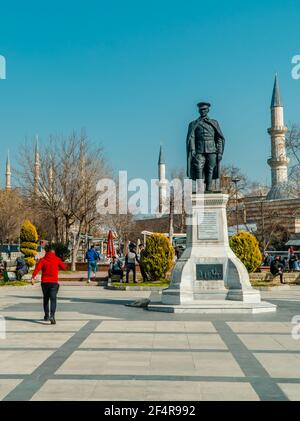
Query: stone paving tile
[[6, 385], [171, 326], [106, 362], [216, 364], [156, 326], [126, 326], [118, 340], [175, 363], [203, 341], [35, 340], [33, 326], [280, 365], [155, 341], [270, 342], [169, 340], [66, 390], [199, 327], [292, 391], [219, 391], [260, 327], [21, 362], [288, 342], [125, 390]]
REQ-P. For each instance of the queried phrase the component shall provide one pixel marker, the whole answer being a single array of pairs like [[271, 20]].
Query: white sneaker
[[88, 281]]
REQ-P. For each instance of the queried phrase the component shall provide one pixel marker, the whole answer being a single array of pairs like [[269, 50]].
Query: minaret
[[278, 161], [8, 173], [162, 187], [37, 166]]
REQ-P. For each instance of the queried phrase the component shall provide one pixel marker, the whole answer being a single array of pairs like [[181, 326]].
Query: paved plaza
[[102, 350]]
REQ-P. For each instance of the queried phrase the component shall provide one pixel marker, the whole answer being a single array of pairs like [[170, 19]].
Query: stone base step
[[214, 307]]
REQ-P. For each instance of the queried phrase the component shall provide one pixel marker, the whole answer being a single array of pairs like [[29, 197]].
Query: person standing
[[142, 268], [276, 268], [49, 265], [130, 262], [8, 251], [292, 260], [92, 257], [267, 259]]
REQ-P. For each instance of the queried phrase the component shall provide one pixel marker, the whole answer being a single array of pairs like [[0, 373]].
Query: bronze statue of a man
[[205, 146]]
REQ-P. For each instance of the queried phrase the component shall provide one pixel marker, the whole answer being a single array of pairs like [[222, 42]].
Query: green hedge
[[28, 232], [29, 239], [28, 252], [28, 245], [30, 261], [246, 248], [158, 257]]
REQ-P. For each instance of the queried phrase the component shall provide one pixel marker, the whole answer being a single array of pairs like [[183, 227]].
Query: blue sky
[[130, 72]]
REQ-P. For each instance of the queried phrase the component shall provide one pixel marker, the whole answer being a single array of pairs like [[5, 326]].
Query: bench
[[264, 269], [9, 273], [115, 278]]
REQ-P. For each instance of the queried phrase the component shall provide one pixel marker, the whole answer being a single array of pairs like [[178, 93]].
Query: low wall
[[102, 267], [289, 277]]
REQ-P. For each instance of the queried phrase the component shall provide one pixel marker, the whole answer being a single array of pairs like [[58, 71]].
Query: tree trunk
[[67, 227], [74, 254], [56, 228], [76, 244]]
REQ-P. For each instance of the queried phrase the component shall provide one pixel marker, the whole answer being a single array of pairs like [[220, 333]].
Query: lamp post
[[262, 220], [235, 181]]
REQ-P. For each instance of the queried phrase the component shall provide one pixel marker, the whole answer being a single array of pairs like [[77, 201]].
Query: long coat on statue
[[190, 146]]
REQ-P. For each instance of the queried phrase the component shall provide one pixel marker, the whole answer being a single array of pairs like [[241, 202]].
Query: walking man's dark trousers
[[50, 290]]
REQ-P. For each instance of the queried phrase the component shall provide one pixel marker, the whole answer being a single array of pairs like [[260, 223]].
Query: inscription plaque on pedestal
[[208, 228], [209, 272]]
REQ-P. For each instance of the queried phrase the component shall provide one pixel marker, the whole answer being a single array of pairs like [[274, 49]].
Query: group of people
[[117, 267], [280, 264], [289, 263]]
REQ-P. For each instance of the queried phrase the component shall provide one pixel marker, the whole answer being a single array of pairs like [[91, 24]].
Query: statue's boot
[[208, 188]]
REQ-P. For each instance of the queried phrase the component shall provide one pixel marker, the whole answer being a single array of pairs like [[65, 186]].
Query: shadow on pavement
[[22, 319]]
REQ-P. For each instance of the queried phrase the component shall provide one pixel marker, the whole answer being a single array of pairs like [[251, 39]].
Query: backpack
[[131, 257]]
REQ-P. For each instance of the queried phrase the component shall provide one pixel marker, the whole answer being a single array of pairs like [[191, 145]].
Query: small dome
[[282, 191]]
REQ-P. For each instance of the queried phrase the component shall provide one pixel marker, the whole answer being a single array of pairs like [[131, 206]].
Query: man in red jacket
[[49, 266]]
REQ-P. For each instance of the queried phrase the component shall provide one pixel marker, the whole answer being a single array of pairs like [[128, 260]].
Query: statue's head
[[203, 108]]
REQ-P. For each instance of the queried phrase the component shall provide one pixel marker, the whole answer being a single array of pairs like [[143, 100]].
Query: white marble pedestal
[[209, 277]]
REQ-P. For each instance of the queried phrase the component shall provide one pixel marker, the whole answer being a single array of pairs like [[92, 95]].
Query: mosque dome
[[282, 191]]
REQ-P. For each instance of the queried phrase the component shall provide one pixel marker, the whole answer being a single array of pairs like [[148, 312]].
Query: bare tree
[[293, 151], [228, 174], [238, 192], [66, 187], [13, 211], [82, 193], [42, 192], [270, 232], [177, 201]]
